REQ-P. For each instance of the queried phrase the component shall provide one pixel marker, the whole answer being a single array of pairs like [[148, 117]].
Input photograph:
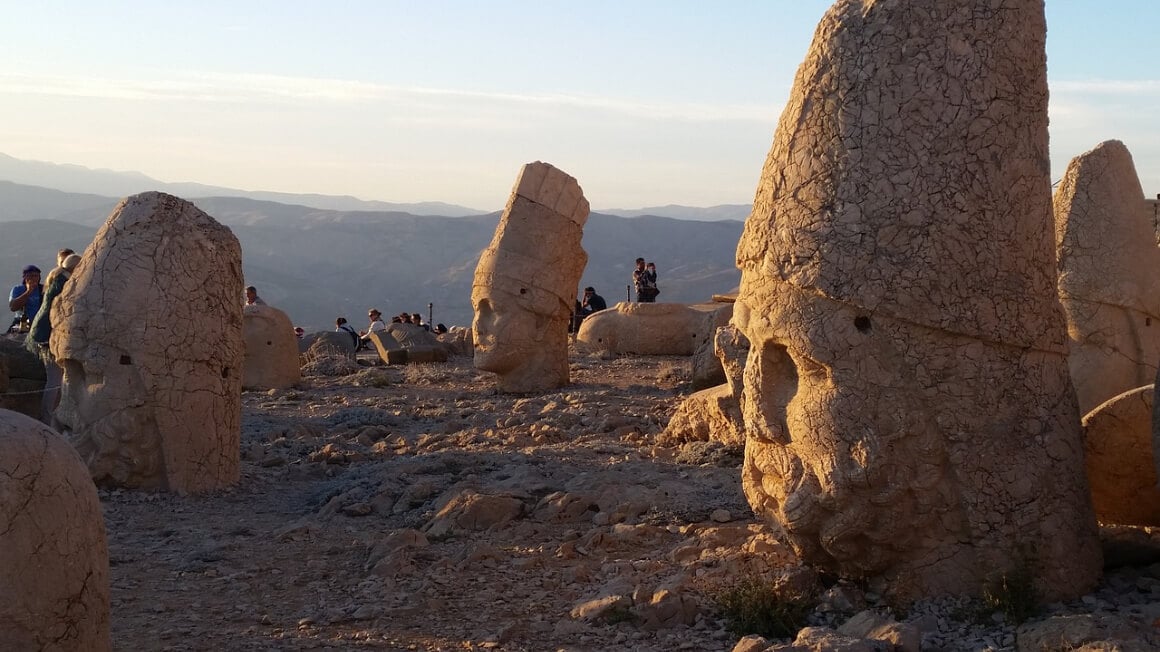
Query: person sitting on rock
[[376, 324], [341, 325], [592, 302], [252, 298]]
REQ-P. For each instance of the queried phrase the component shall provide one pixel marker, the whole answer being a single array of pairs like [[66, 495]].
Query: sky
[[645, 102]]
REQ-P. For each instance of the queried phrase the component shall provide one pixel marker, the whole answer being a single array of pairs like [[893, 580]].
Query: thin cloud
[[1108, 87], [249, 88]]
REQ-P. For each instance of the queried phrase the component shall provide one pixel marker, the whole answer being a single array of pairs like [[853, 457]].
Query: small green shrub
[[754, 606], [1012, 593]]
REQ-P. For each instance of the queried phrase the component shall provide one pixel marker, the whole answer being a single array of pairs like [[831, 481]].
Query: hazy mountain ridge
[[738, 212], [114, 183], [319, 264]]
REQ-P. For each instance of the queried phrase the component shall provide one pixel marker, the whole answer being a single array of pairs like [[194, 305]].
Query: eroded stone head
[[1109, 274], [526, 280], [149, 334], [907, 407]]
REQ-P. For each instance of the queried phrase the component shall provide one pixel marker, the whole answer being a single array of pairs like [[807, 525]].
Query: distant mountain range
[[113, 183], [318, 263]]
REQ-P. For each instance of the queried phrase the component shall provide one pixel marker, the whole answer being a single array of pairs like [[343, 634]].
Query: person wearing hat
[[39, 331], [376, 324], [26, 297]]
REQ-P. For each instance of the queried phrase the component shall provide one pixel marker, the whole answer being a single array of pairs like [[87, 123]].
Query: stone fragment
[[1119, 455], [1098, 631], [651, 328], [271, 360], [472, 511], [1109, 274], [708, 415], [54, 563], [22, 378], [707, 369], [909, 413], [149, 334], [525, 284], [732, 349], [340, 341]]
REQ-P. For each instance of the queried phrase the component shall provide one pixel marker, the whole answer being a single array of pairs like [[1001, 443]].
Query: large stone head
[[149, 334], [525, 284], [906, 402]]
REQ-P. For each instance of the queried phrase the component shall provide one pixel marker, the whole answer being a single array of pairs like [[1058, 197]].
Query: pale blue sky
[[645, 102]]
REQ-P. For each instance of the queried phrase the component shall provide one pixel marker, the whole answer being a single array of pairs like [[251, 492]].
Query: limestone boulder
[[54, 562], [338, 342], [652, 328], [707, 369], [457, 341], [22, 377], [712, 414], [1119, 447], [149, 334], [1109, 274], [400, 346], [909, 414], [271, 349], [525, 284], [732, 349]]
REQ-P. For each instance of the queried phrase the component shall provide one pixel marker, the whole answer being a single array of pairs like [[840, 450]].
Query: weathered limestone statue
[[909, 414], [149, 333], [54, 563], [1120, 458], [1109, 274], [525, 284], [271, 360], [653, 328]]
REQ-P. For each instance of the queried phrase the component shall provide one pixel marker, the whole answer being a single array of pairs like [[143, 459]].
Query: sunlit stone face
[[148, 332], [506, 333], [525, 282], [826, 401]]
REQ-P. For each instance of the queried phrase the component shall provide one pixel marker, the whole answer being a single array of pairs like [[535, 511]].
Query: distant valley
[[318, 263]]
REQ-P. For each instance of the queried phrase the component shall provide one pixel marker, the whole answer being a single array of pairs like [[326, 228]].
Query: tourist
[[592, 302], [644, 279], [252, 298], [341, 325], [39, 331], [417, 320], [26, 298], [376, 324]]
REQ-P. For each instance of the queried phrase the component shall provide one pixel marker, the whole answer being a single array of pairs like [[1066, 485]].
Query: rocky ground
[[414, 508]]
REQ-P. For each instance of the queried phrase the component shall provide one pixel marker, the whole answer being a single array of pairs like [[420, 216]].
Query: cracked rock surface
[[149, 333], [909, 414], [54, 564]]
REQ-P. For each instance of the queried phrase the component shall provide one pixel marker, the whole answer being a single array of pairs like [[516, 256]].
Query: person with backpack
[[341, 325]]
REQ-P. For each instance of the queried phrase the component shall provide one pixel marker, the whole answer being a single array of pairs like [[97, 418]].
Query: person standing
[[644, 279], [26, 298], [39, 332]]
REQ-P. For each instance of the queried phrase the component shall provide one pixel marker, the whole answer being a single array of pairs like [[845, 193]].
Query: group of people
[[363, 339], [31, 301], [644, 279]]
